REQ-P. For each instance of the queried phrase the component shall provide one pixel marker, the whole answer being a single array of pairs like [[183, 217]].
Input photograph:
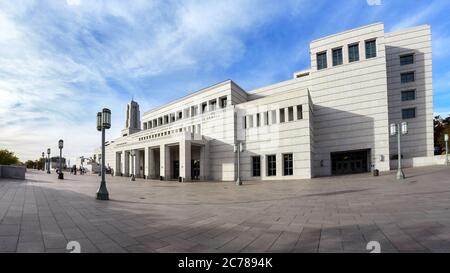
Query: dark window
[[271, 165], [321, 60], [245, 122], [256, 166], [408, 95], [274, 117], [223, 102], [337, 56], [406, 59], [258, 120], [371, 49], [408, 113], [287, 164], [407, 77], [299, 112], [266, 118], [281, 115], [212, 105], [290, 113], [353, 53], [204, 107]]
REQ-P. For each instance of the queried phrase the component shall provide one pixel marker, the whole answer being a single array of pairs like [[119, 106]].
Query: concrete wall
[[16, 172], [420, 161], [350, 100], [419, 140], [276, 138]]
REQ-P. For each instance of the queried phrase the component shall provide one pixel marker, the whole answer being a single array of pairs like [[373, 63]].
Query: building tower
[[133, 119]]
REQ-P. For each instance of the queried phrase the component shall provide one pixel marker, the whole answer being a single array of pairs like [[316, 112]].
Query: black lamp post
[[43, 161], [48, 160], [60, 146], [103, 123]]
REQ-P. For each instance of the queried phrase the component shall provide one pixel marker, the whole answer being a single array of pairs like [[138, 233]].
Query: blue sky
[[62, 61]]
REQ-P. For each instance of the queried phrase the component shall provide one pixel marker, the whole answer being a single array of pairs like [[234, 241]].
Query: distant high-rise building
[[133, 120]]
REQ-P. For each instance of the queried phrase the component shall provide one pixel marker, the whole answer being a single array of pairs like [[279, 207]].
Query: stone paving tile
[[333, 214], [8, 243]]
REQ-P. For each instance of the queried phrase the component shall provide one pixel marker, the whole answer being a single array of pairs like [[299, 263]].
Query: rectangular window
[[353, 53], [290, 113], [274, 117], [266, 118], [371, 49], [271, 165], [258, 120], [245, 122], [150, 125], [145, 125], [256, 166], [406, 59], [337, 56], [186, 112], [281, 115], [408, 95], [287, 164], [212, 105], [408, 113], [250, 121], [223, 102], [179, 115], [204, 107], [321, 60], [194, 110], [407, 77], [166, 119], [299, 112]]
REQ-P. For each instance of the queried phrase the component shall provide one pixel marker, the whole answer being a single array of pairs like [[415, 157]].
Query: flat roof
[[193, 94]]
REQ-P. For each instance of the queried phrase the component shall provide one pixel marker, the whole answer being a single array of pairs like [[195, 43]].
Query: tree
[[30, 164], [441, 127], [8, 158]]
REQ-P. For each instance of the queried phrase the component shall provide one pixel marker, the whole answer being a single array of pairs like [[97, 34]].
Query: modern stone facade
[[332, 118]]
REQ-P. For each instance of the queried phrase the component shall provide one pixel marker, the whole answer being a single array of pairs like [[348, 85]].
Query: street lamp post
[[48, 160], [103, 123], [238, 148], [399, 129], [43, 161], [60, 146], [446, 149], [133, 154]]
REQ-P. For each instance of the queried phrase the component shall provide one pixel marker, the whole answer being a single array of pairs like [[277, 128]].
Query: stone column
[[124, 162], [204, 171], [185, 159], [146, 162], [162, 160], [151, 164], [167, 163], [136, 163]]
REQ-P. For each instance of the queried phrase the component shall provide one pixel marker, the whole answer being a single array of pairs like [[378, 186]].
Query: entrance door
[[176, 169], [350, 162], [195, 169]]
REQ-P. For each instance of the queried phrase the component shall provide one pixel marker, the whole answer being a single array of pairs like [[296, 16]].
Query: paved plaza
[[332, 214]]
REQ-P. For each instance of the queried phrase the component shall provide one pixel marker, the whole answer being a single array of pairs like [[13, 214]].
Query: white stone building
[[332, 118]]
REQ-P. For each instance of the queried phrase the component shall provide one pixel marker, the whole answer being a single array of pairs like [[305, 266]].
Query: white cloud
[[60, 65], [73, 2]]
